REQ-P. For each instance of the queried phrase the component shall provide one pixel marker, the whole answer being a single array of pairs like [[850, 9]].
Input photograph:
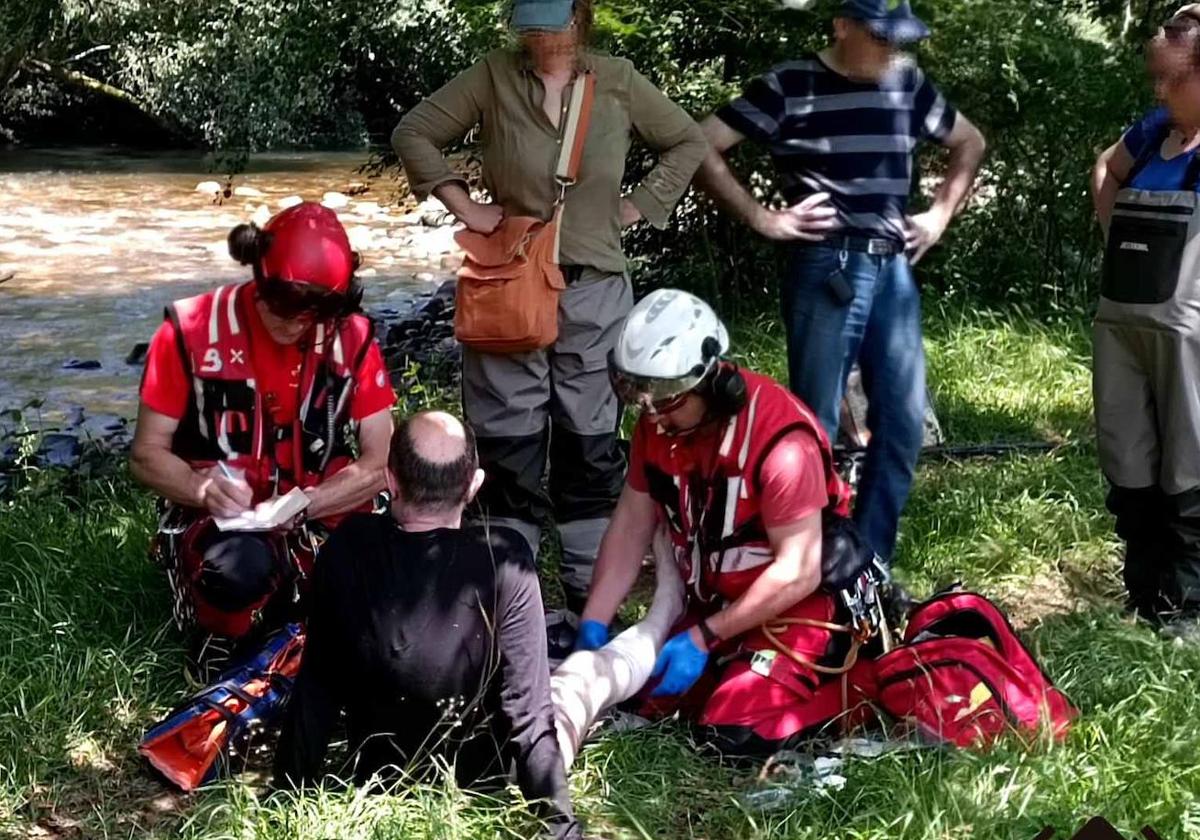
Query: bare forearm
[[1104, 195], [776, 590], [617, 566], [716, 179], [454, 196], [961, 172], [168, 475], [350, 488]]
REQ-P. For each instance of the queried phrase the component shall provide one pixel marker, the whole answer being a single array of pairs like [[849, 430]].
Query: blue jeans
[[880, 328]]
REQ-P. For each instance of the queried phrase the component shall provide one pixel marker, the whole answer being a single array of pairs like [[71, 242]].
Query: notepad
[[266, 516]]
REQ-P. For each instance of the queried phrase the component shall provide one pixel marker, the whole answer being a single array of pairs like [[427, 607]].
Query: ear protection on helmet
[[725, 389]]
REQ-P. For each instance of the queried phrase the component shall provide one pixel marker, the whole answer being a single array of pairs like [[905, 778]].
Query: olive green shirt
[[520, 149]]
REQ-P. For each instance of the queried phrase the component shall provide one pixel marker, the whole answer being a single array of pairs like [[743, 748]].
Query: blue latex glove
[[680, 663], [592, 635]]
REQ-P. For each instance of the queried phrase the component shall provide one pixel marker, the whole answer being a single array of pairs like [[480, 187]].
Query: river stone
[[59, 450], [137, 356], [424, 335], [81, 364], [334, 200], [436, 241], [290, 201], [248, 192], [209, 187]]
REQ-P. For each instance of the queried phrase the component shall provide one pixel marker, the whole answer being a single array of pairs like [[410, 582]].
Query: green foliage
[[244, 75], [241, 75], [1030, 235]]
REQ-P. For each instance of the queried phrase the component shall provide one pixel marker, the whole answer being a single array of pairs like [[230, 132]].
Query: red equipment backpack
[[962, 675]]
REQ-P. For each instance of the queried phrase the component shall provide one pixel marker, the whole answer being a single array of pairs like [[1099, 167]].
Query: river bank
[[95, 242]]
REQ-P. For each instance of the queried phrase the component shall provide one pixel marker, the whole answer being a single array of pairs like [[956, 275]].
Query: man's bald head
[[433, 461]]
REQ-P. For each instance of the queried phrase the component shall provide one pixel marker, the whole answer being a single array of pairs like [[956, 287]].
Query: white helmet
[[670, 342]]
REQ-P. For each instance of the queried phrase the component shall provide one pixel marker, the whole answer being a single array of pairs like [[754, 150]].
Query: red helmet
[[309, 245]]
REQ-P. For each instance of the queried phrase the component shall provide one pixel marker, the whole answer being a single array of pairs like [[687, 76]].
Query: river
[[98, 241]]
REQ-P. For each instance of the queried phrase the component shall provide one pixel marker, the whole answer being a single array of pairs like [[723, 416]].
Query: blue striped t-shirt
[[854, 140]]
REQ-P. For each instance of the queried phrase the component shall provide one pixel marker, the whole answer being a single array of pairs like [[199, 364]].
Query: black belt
[[875, 246]]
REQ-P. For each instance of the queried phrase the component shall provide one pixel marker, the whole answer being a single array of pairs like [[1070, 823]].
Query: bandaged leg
[[589, 682]]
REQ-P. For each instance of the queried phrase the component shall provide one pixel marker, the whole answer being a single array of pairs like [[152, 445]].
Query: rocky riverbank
[[418, 345]]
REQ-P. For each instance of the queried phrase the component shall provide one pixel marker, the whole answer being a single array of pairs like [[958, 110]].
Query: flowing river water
[[94, 243]]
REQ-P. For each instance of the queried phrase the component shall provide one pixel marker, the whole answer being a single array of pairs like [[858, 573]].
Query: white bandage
[[588, 682]]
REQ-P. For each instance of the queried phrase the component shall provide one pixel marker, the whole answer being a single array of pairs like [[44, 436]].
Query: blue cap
[[542, 14], [889, 20]]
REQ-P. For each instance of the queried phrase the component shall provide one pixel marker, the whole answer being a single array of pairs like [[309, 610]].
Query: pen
[[225, 471]]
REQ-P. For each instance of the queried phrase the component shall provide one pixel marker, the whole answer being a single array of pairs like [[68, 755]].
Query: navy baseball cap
[[889, 20], [543, 14]]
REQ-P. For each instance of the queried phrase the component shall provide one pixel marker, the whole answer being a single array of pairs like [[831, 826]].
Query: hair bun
[[247, 244]]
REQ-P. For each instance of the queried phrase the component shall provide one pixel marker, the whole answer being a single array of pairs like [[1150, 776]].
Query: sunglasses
[[653, 395], [293, 301], [668, 405]]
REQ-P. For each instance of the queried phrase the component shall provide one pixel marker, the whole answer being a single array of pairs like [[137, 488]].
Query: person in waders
[[251, 390], [1147, 336]]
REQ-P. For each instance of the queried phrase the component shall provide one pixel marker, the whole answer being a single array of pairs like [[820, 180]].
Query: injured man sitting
[[431, 637]]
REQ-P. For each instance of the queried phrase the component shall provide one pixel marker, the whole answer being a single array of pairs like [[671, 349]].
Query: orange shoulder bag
[[510, 280]]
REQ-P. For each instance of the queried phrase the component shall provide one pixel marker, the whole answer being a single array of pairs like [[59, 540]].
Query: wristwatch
[[711, 639]]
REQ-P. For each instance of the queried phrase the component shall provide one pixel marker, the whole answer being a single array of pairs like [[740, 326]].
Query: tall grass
[[87, 661]]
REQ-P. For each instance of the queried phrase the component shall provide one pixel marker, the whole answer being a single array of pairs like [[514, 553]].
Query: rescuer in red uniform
[[743, 473], [249, 391]]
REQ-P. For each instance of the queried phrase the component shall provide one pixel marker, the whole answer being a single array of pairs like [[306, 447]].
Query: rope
[[778, 625]]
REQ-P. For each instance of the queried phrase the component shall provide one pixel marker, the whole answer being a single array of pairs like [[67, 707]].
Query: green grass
[[87, 660]]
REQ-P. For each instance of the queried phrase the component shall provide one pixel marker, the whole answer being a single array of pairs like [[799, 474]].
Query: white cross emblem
[[237, 357]]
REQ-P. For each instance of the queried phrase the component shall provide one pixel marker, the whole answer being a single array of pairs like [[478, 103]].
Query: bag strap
[[579, 117]]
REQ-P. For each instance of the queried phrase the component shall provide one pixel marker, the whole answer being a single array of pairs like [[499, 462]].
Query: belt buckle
[[878, 247]]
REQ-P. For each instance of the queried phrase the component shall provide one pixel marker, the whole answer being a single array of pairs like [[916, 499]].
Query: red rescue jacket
[[226, 420], [716, 519]]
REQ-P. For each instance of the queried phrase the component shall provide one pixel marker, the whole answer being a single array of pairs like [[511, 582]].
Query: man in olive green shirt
[[554, 405]]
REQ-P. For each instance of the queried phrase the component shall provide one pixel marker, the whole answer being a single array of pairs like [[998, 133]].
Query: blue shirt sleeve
[[1146, 130]]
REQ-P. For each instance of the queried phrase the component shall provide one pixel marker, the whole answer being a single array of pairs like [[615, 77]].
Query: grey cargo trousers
[[554, 411]]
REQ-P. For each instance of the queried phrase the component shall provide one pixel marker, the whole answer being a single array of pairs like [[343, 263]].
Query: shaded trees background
[[1050, 81]]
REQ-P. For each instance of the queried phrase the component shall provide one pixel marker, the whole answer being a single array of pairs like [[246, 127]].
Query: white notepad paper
[[266, 516]]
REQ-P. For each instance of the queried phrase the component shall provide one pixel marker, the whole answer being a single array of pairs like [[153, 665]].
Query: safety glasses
[[657, 396], [286, 299]]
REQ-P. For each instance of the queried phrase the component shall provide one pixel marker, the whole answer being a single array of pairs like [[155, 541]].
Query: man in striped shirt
[[842, 126]]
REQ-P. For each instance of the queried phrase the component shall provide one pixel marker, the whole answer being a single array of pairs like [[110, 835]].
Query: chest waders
[[1146, 386]]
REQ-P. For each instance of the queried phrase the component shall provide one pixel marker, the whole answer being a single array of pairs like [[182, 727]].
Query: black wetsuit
[[401, 637]]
